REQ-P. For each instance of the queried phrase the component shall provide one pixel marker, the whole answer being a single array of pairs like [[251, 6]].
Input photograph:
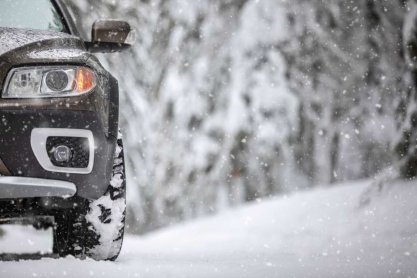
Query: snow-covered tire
[[96, 229]]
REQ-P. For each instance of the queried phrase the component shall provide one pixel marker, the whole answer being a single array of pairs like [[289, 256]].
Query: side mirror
[[110, 36]]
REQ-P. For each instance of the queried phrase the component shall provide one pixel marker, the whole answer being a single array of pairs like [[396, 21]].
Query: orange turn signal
[[85, 80]]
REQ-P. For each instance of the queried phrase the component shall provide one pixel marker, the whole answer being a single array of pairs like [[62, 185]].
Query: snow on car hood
[[36, 40]]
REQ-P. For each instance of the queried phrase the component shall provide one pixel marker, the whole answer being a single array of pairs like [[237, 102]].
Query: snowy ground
[[321, 233]]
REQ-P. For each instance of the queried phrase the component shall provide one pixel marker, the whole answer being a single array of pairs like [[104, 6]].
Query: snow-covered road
[[321, 233]]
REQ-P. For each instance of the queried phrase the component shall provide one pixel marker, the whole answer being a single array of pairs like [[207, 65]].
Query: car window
[[30, 14]]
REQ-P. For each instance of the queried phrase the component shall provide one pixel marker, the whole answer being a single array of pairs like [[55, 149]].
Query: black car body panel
[[13, 39]]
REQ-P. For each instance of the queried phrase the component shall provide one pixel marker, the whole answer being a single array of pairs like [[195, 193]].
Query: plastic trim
[[38, 144]]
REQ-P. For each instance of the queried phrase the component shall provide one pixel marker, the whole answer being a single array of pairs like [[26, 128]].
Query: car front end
[[58, 121]]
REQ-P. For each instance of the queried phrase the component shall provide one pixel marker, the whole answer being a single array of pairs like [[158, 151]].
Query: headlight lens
[[40, 82]]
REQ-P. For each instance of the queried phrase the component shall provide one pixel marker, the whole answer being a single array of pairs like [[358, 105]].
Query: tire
[[96, 229]]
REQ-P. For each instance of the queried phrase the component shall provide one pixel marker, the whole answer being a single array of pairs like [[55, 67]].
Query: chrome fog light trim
[[38, 143]]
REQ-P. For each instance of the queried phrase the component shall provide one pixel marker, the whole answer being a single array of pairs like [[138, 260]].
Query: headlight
[[53, 81]]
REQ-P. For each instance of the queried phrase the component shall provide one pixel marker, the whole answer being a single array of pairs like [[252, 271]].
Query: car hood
[[23, 47]]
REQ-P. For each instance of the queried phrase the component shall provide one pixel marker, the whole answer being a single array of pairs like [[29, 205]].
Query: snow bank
[[321, 233]]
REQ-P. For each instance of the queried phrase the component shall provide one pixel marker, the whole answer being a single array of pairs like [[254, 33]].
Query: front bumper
[[21, 188], [17, 153]]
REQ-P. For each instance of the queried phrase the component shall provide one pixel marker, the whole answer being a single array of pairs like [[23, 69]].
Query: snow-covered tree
[[345, 63], [405, 148]]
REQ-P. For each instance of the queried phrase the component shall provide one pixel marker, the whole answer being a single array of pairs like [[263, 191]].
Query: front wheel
[[96, 229]]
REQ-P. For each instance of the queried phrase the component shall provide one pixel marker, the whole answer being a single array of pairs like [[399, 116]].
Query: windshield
[[30, 14]]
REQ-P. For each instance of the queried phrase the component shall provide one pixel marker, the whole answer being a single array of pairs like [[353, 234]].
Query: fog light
[[62, 154], [70, 152]]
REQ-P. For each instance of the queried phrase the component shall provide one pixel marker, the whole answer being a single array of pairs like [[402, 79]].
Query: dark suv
[[61, 155]]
